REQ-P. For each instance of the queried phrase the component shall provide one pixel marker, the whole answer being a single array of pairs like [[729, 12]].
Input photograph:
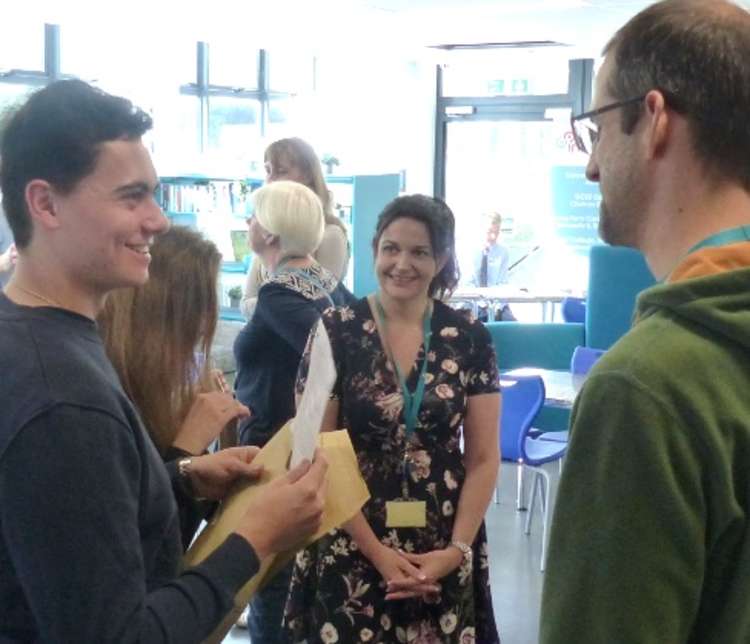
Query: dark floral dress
[[337, 595]]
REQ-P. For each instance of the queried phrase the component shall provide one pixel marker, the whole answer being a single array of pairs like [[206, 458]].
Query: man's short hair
[[493, 218], [56, 136], [696, 53]]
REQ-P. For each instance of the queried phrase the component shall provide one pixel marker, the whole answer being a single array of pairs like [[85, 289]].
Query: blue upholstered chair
[[616, 277], [574, 309]]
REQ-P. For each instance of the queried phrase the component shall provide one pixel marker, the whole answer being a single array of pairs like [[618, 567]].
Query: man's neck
[[32, 285], [693, 218]]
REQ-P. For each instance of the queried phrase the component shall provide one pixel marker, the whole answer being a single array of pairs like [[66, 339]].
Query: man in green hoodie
[[651, 534]]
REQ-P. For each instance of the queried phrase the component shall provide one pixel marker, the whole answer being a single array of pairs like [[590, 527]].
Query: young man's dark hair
[[696, 53], [56, 136], [90, 547]]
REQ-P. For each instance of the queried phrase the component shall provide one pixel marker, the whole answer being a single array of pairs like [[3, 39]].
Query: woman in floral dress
[[412, 572]]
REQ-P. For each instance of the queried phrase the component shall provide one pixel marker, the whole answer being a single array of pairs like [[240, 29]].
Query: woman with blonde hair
[[158, 337], [284, 231], [293, 159]]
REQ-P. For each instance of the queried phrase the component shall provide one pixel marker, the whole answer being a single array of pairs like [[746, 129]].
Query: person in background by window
[[490, 265], [294, 160], [158, 337]]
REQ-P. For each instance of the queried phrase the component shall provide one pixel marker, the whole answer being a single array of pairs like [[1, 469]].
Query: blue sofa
[[616, 276]]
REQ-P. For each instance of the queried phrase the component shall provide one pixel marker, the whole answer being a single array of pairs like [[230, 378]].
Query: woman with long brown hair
[[293, 159], [158, 337]]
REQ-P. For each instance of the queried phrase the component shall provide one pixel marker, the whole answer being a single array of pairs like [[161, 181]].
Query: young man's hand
[[288, 510]]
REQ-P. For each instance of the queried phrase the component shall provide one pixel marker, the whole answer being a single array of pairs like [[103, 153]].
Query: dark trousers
[[502, 314], [266, 609]]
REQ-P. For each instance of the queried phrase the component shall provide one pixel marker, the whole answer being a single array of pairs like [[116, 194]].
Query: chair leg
[[534, 486], [520, 492], [545, 527]]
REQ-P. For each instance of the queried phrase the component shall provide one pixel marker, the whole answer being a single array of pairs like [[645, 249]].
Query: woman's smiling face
[[405, 263]]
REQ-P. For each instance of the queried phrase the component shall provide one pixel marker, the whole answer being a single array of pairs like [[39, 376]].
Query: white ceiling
[[381, 25], [322, 23], [584, 24]]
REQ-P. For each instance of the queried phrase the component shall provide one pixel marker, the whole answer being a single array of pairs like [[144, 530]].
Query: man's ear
[[40, 202], [659, 123]]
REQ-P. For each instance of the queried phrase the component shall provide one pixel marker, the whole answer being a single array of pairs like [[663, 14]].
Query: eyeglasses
[[586, 131]]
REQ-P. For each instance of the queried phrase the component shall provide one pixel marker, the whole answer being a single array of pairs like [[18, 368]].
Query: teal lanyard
[[730, 236], [412, 399]]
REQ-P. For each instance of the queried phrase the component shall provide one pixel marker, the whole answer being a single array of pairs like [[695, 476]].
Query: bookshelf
[[218, 207]]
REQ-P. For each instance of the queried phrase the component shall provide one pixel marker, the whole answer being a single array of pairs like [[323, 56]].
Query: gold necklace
[[38, 296]]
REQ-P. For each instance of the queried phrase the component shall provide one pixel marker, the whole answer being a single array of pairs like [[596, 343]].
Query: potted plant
[[329, 161], [235, 295]]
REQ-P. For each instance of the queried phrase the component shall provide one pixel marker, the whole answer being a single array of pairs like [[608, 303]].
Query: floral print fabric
[[337, 595]]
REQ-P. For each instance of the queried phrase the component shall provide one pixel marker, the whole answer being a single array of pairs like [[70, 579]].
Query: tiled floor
[[514, 568]]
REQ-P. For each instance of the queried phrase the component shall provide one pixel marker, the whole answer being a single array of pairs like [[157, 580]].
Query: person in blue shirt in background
[[490, 265]]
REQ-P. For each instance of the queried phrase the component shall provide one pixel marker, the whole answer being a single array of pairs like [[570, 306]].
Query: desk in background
[[504, 294], [561, 387]]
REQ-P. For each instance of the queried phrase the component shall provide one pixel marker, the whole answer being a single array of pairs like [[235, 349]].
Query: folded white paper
[[321, 377]]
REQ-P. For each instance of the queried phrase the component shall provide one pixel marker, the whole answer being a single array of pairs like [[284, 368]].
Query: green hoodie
[[650, 540]]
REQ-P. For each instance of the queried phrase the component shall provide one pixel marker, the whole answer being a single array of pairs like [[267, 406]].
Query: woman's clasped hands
[[409, 575]]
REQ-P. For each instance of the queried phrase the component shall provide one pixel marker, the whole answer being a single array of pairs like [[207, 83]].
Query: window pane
[[281, 119], [234, 127], [290, 72], [12, 95], [500, 72], [109, 56], [21, 44], [529, 173], [175, 139], [232, 65]]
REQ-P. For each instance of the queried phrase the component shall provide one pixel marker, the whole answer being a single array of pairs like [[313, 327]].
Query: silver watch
[[466, 552], [183, 467]]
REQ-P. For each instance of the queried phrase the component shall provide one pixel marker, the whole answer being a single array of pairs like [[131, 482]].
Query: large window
[[511, 151], [12, 94], [21, 44], [506, 72]]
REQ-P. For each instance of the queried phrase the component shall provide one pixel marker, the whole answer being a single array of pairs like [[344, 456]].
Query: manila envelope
[[346, 493]]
